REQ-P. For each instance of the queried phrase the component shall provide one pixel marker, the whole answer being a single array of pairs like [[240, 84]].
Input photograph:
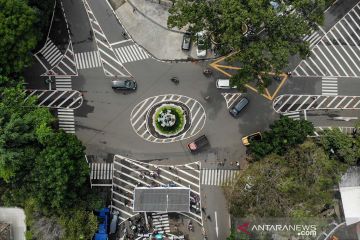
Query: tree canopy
[[42, 169], [56, 167], [341, 146], [18, 35], [297, 184], [284, 133], [273, 33]]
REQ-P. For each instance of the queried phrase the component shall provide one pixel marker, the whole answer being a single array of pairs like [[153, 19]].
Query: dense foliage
[[297, 184], [283, 134], [295, 176], [22, 25], [18, 35], [274, 33], [41, 169]]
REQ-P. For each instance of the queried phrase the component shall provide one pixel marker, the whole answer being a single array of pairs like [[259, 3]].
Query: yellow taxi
[[250, 138]]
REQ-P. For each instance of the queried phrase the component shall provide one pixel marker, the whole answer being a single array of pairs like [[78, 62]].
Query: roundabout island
[[168, 118]]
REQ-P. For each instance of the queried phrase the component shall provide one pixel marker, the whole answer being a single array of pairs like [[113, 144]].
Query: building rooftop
[[350, 195], [162, 199]]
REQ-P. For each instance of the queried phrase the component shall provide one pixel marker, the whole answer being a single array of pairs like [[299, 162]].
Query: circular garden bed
[[168, 119]]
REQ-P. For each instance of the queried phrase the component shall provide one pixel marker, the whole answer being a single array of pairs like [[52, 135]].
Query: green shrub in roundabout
[[169, 120]]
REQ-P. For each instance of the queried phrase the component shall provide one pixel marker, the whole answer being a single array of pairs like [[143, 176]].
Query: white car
[[201, 44], [223, 84]]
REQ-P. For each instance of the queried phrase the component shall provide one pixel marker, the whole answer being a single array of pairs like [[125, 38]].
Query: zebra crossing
[[292, 115], [86, 60], [329, 86], [110, 62], [129, 173], [313, 38], [217, 177], [101, 171], [139, 117], [230, 98], [337, 53], [63, 83], [131, 53], [160, 222], [55, 62], [66, 120], [289, 103], [319, 130], [51, 53]]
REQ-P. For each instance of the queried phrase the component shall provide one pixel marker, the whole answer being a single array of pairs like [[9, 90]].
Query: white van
[[223, 84]]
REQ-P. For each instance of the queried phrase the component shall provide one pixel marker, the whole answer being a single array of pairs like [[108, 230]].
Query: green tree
[[284, 133], [299, 183], [78, 224], [60, 173], [340, 145], [274, 34], [20, 123], [18, 35]]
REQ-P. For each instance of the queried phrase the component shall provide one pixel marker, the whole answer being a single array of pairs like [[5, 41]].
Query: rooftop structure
[[350, 195], [162, 199]]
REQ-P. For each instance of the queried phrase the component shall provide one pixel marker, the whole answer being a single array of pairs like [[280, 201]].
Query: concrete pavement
[[146, 22]]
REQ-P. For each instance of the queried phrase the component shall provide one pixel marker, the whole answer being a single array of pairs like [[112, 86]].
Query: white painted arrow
[[216, 226]]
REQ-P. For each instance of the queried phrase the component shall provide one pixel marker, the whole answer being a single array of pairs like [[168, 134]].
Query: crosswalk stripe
[[66, 120], [131, 53], [85, 60], [161, 221], [101, 171], [337, 52], [329, 86], [217, 177], [293, 115], [51, 53]]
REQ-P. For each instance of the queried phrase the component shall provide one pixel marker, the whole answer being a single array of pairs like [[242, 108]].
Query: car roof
[[223, 82]]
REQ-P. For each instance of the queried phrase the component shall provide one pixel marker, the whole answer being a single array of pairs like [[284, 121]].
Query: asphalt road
[[103, 122]]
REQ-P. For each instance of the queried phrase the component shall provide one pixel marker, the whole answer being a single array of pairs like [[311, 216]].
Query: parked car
[[238, 107], [201, 44], [198, 144], [247, 140], [223, 84], [186, 42], [127, 84]]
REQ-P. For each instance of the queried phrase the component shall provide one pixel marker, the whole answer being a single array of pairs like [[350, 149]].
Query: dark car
[[186, 42], [238, 107], [198, 144], [127, 84]]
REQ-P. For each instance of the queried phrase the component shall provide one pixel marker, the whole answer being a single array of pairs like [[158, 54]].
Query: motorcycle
[[190, 227], [175, 80], [207, 72]]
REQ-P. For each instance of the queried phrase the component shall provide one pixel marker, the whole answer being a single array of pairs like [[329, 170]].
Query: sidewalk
[[146, 22]]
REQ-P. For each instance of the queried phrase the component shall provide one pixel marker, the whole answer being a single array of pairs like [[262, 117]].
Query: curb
[[151, 55]]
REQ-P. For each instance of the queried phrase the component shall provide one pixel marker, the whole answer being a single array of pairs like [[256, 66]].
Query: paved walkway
[[146, 22], [16, 218]]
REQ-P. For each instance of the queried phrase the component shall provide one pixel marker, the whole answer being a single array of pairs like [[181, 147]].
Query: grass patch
[[179, 122]]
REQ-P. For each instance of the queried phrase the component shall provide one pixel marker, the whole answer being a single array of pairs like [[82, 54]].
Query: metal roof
[[161, 199], [350, 195]]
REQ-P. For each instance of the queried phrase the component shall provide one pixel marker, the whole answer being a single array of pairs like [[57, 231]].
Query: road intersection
[[116, 123]]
